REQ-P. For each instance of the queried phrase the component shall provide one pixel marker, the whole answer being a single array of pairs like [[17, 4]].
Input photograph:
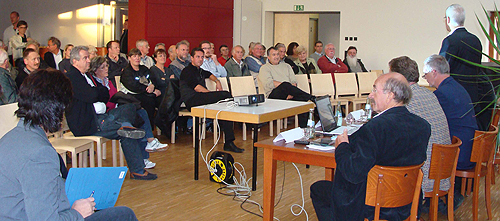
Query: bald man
[[331, 64]]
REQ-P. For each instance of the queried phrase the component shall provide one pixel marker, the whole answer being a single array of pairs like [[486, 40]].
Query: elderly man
[[31, 61], [182, 60], [56, 54], [424, 104], [210, 62], [279, 82], [116, 61], [331, 64], [143, 46], [463, 44], [352, 62], [194, 93], [318, 51], [235, 66], [256, 59], [8, 89], [375, 143], [87, 115]]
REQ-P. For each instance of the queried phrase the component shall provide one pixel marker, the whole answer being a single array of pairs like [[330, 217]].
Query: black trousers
[[283, 90], [210, 98], [149, 103]]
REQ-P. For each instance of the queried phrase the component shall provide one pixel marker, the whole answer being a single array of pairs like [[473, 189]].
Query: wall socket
[[351, 38]]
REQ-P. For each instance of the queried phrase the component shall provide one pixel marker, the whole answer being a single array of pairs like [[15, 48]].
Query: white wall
[[43, 21], [328, 31], [385, 28]]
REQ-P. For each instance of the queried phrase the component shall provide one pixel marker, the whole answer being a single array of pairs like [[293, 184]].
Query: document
[[103, 183], [290, 135]]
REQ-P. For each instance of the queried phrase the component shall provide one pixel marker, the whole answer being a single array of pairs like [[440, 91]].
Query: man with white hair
[[463, 44], [331, 64], [352, 61], [8, 89], [143, 46]]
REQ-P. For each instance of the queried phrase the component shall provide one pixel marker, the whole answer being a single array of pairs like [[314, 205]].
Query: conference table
[[270, 110], [289, 152]]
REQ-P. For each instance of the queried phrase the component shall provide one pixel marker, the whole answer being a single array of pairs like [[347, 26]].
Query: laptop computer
[[328, 119]]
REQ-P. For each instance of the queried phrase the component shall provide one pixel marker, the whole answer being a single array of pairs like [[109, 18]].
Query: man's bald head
[[396, 83]]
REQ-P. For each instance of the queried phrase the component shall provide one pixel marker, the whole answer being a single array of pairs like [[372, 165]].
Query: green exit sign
[[298, 7]]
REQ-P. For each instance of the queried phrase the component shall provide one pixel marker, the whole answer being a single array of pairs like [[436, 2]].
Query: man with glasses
[[331, 64], [210, 62]]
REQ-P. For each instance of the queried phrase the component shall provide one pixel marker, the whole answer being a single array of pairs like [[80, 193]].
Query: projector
[[249, 99]]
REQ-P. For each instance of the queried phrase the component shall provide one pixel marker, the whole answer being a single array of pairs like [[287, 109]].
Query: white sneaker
[[155, 146], [148, 164]]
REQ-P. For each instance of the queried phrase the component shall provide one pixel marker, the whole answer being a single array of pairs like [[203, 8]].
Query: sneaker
[[131, 132], [145, 176], [155, 146], [148, 164]]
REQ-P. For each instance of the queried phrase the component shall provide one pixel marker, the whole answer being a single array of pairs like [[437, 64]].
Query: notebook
[[328, 119]]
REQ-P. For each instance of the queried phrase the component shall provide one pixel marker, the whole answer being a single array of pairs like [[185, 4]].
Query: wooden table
[[270, 110], [289, 152]]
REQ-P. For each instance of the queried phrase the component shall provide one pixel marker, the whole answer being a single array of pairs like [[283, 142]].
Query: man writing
[[375, 143]]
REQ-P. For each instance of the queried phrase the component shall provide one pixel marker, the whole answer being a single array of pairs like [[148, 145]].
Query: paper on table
[[357, 114], [319, 147], [290, 135]]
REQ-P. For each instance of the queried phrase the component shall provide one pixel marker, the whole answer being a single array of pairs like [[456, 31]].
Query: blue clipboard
[[104, 182]]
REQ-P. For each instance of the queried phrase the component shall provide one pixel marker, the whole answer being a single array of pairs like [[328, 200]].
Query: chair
[[303, 83], [496, 161], [7, 117], [346, 88], [365, 85], [443, 165], [322, 84], [391, 187], [278, 121], [379, 72], [211, 85], [242, 86], [482, 152]]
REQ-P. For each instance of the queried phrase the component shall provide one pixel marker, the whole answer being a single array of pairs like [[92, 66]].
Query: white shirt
[[8, 33], [333, 60], [57, 58], [240, 63]]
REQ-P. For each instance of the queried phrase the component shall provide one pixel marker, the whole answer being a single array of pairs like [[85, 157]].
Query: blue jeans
[[149, 131], [118, 213]]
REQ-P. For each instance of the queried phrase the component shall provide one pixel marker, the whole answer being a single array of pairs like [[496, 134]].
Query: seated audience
[[279, 82], [255, 60], [304, 64], [291, 51], [160, 70], [65, 64], [182, 60], [138, 82], [194, 93], [456, 104], [17, 43], [56, 54], [352, 62], [143, 46], [87, 115], [31, 63], [210, 62], [8, 88], [224, 52], [99, 69], [235, 66], [158, 46], [424, 104], [331, 64], [283, 58], [171, 55], [318, 51], [32, 187], [35, 46], [375, 143], [117, 61]]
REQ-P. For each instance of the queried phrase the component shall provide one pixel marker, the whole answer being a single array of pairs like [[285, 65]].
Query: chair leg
[[296, 121], [271, 123], [158, 131], [244, 131], [113, 151], [82, 162], [475, 200], [172, 133], [285, 123], [99, 153], [469, 189], [91, 156], [104, 151], [121, 156], [278, 126], [464, 183], [433, 208], [487, 191], [450, 204], [74, 160]]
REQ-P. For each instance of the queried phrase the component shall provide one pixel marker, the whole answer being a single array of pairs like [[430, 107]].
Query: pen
[[92, 194]]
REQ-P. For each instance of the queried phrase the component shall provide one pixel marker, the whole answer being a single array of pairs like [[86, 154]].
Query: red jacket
[[327, 66]]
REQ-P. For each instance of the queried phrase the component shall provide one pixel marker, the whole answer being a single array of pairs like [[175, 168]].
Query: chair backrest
[[7, 118], [303, 82], [391, 187], [496, 117], [118, 83], [244, 85], [365, 82], [322, 84], [261, 86], [444, 160], [483, 147], [346, 84], [211, 85], [379, 72]]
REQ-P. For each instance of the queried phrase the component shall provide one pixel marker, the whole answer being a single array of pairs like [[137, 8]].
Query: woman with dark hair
[[99, 69], [138, 81], [65, 65], [160, 72], [32, 187], [291, 51], [17, 43]]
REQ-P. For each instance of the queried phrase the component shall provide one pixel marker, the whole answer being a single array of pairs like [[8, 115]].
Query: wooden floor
[[175, 195]]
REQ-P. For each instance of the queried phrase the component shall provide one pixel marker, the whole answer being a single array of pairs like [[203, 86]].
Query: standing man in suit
[[56, 54], [463, 44], [124, 38]]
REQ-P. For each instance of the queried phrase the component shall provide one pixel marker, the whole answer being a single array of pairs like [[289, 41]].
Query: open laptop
[[328, 119]]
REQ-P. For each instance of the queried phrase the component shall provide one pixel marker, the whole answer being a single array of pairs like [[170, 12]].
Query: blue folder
[[104, 182]]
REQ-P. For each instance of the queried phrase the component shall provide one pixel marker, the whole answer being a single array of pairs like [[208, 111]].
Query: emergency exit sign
[[298, 7]]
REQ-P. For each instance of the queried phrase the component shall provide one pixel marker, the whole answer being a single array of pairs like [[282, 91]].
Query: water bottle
[[368, 109], [339, 115], [309, 132]]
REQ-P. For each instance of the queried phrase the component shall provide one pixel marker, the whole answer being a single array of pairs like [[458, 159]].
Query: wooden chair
[[391, 187], [278, 122], [482, 152], [321, 85], [7, 117], [303, 83], [365, 85], [379, 72], [443, 165], [242, 86], [496, 161], [223, 81]]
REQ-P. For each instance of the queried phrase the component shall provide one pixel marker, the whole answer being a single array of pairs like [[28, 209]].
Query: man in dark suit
[[55, 54], [464, 44], [124, 38]]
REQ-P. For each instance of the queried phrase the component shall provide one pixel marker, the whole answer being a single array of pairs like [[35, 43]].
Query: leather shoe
[[232, 147], [145, 176]]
